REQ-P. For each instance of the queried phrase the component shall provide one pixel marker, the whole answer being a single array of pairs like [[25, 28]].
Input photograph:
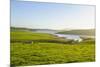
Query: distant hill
[[21, 29], [90, 32], [80, 32], [35, 30]]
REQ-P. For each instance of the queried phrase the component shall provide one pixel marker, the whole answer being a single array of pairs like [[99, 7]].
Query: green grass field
[[40, 53], [23, 35]]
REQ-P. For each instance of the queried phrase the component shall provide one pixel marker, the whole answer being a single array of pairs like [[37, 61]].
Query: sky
[[59, 16]]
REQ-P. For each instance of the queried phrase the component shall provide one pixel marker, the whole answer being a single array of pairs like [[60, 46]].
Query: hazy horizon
[[39, 15]]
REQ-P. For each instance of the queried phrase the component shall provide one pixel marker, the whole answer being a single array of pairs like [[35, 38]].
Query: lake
[[66, 36], [69, 36]]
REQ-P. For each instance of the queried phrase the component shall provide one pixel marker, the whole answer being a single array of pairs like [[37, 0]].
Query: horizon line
[[52, 29]]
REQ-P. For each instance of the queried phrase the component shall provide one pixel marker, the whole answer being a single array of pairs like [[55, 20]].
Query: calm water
[[69, 36], [46, 31], [66, 36]]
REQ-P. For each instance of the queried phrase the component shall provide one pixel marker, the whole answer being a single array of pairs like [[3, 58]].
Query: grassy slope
[[23, 35], [48, 53], [80, 32], [26, 35]]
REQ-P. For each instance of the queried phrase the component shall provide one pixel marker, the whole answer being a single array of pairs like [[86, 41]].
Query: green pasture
[[48, 52]]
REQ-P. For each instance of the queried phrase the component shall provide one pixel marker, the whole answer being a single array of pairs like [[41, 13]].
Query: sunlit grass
[[49, 53], [23, 54]]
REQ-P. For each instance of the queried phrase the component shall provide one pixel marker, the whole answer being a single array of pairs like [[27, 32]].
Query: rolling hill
[[90, 32]]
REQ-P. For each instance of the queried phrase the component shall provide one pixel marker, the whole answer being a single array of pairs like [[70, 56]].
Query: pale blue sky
[[51, 15]]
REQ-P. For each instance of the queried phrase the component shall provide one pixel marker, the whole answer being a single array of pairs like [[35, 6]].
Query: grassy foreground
[[48, 52]]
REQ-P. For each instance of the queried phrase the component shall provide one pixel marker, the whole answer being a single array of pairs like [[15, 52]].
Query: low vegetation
[[48, 51]]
